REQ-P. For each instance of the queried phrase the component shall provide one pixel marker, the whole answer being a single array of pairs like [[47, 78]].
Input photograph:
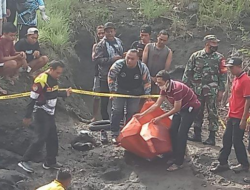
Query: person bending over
[[185, 108]]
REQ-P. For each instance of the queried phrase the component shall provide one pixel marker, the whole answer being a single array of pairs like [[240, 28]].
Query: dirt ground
[[107, 167]]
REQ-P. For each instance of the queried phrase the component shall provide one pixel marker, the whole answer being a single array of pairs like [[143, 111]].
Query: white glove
[[45, 17]]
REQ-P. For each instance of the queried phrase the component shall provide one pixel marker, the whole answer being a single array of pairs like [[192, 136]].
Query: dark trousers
[[180, 126], [12, 16], [117, 114], [46, 133], [233, 135], [210, 103], [104, 100], [22, 30]]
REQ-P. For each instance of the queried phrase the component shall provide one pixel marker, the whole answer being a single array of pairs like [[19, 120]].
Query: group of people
[[24, 55], [143, 70], [25, 11]]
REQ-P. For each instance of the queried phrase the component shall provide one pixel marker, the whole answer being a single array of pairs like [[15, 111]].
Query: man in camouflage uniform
[[206, 75]]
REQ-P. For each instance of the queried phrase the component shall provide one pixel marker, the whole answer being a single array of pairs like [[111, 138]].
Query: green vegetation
[[66, 17], [223, 13], [209, 13], [90, 17], [55, 34], [154, 9]]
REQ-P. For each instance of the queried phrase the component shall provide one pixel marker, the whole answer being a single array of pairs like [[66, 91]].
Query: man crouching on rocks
[[185, 108], [43, 98]]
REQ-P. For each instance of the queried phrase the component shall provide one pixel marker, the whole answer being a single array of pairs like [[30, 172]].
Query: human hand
[[69, 91], [8, 12], [156, 120], [36, 54], [220, 96], [26, 122], [4, 19], [243, 124], [23, 55]]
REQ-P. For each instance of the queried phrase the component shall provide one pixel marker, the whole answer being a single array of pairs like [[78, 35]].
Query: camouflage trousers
[[210, 102]]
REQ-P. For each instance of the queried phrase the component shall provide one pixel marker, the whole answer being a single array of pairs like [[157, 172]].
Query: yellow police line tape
[[20, 95]]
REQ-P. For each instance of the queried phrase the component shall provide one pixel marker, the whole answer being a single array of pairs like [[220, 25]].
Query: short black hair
[[55, 63], [164, 75], [163, 32], [63, 174], [8, 27], [134, 51]]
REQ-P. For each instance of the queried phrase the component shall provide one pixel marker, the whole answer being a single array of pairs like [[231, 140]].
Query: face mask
[[164, 87], [213, 49]]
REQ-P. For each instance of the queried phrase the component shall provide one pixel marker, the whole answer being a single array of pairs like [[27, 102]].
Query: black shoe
[[56, 166], [104, 137], [25, 166], [196, 136], [211, 139], [240, 168], [220, 168]]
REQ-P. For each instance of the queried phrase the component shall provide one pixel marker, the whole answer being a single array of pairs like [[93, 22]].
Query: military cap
[[211, 38]]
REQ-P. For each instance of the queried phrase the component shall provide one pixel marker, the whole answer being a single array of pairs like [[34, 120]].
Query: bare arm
[[93, 51], [246, 109], [145, 55], [169, 60]]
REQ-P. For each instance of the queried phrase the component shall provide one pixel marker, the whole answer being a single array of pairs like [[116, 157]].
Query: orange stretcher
[[144, 138]]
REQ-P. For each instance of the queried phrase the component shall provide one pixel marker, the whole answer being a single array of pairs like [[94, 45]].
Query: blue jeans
[[117, 114]]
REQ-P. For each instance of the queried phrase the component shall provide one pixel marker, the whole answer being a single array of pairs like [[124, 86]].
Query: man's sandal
[[174, 167]]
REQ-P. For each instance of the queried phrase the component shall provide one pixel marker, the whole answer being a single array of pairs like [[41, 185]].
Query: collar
[[241, 74], [171, 83], [58, 183]]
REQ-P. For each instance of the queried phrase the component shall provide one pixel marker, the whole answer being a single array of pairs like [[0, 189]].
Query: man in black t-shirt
[[131, 77], [31, 47], [145, 33]]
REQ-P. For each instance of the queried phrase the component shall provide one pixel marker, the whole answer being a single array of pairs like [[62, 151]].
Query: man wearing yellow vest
[[62, 181]]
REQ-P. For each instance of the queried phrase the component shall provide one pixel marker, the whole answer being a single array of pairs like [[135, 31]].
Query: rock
[[113, 174], [8, 177], [134, 178], [7, 158]]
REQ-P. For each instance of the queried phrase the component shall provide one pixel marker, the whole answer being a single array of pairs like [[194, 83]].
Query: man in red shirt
[[185, 108], [10, 60], [239, 104]]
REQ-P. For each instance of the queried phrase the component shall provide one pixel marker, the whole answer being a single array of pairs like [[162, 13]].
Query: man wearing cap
[[206, 75], [108, 51], [145, 35], [157, 56], [239, 104], [31, 47]]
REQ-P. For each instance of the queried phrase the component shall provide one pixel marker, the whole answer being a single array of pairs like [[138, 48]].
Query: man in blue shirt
[[26, 15]]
